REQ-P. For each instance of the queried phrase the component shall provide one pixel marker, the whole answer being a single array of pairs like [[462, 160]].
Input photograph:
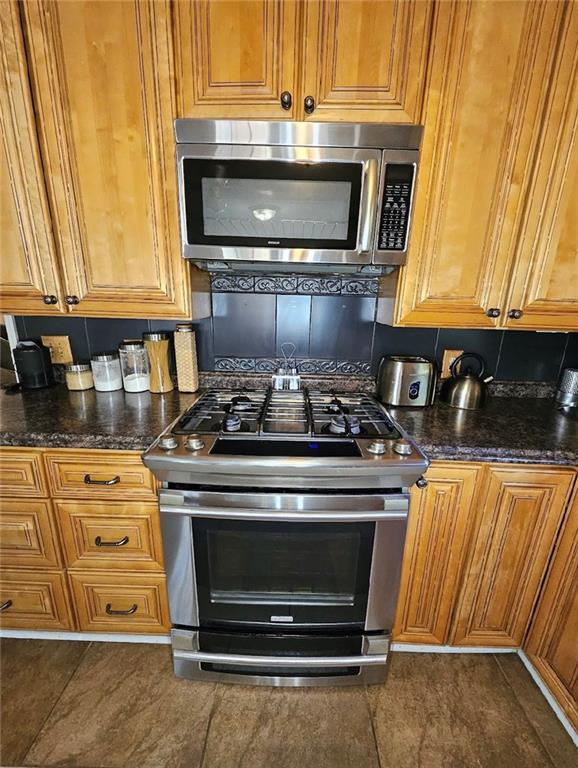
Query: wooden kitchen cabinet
[[519, 511], [552, 644], [28, 268], [22, 472], [440, 519], [103, 87], [28, 534], [34, 599]]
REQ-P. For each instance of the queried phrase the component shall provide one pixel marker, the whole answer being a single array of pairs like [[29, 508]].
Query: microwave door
[[289, 204]]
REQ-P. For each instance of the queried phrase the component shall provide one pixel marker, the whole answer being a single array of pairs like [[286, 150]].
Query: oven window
[[272, 203], [286, 573]]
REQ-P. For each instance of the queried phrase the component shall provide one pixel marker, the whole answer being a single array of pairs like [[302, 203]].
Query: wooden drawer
[[110, 534], [99, 474], [22, 472], [28, 536], [96, 593], [39, 600]]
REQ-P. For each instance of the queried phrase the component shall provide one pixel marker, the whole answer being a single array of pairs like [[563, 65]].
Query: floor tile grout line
[[52, 708], [217, 696], [496, 658], [372, 722]]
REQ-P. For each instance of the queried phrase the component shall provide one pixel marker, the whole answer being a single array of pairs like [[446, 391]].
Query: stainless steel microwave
[[305, 194]]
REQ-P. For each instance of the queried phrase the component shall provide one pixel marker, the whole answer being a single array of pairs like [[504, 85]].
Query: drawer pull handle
[[111, 612], [5, 606], [100, 543], [113, 481]]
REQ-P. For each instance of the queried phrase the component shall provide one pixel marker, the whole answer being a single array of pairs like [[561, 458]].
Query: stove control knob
[[421, 482], [195, 443], [403, 447], [377, 447], [168, 443]]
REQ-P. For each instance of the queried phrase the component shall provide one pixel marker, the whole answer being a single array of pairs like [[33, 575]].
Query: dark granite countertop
[[511, 429]]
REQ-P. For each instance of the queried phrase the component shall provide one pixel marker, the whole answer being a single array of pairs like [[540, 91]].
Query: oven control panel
[[395, 206]]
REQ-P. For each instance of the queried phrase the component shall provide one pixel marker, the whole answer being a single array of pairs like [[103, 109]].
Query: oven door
[[283, 560], [258, 203]]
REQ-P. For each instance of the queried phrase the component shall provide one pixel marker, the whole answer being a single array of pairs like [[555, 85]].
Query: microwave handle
[[368, 205]]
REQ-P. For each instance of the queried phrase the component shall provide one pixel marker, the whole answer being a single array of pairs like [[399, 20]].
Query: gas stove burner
[[336, 406], [343, 425], [241, 403], [232, 423]]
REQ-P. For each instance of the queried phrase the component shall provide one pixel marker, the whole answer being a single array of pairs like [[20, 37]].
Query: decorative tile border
[[301, 284], [304, 365]]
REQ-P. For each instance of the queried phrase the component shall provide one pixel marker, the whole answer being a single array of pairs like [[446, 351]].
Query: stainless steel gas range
[[284, 517]]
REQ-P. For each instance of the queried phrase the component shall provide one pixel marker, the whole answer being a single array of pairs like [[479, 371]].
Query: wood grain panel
[[365, 60], [490, 70], [93, 591], [28, 266], [234, 58], [22, 472], [28, 534], [545, 283], [520, 510], [104, 92], [39, 600], [439, 521], [83, 522], [67, 470], [552, 643]]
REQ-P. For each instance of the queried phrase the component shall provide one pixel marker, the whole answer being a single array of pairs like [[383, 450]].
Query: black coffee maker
[[33, 364]]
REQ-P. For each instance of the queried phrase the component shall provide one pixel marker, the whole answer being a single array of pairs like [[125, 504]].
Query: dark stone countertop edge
[[66, 440]]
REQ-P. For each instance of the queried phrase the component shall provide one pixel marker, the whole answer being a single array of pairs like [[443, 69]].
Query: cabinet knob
[[421, 482], [493, 312], [71, 300], [515, 314], [309, 104], [50, 299], [286, 100]]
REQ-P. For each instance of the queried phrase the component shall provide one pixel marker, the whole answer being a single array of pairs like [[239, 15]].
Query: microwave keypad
[[395, 207]]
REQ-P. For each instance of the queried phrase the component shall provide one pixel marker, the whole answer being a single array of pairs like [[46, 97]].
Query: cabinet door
[[490, 68], [545, 284], [439, 520], [551, 643], [103, 77], [236, 57], [28, 271], [365, 60], [520, 510]]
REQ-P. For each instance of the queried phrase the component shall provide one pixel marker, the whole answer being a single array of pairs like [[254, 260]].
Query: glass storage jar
[[106, 372], [157, 346], [134, 363], [78, 376]]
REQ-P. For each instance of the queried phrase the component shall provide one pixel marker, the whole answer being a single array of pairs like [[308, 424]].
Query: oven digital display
[[291, 448]]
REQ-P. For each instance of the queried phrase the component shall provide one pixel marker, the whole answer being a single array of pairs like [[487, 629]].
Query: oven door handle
[[286, 516], [280, 661]]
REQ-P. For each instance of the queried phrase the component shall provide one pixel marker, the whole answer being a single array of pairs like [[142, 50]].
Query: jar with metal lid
[[186, 358], [106, 372], [78, 376], [157, 346], [134, 363]]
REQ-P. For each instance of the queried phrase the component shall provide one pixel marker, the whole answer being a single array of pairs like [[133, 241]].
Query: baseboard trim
[[558, 711], [104, 637], [418, 648]]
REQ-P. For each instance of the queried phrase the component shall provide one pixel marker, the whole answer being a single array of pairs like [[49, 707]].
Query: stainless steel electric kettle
[[467, 389]]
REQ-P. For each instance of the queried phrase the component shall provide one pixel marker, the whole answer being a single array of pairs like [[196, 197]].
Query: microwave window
[[276, 208]]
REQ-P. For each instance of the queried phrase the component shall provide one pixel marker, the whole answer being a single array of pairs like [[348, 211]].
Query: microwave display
[[396, 206]]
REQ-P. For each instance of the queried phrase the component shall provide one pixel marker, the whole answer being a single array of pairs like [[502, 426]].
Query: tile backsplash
[[331, 322]]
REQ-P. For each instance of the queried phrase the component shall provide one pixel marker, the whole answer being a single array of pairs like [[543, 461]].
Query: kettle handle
[[459, 359]]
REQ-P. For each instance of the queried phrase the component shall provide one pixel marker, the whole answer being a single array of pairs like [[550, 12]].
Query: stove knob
[[377, 447], [168, 443], [403, 447], [195, 443]]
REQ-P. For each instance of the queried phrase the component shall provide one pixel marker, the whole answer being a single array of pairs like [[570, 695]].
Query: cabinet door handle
[[111, 612], [421, 482], [120, 543], [5, 606], [71, 300], [309, 104], [493, 312], [515, 314], [113, 480], [50, 299], [286, 100]]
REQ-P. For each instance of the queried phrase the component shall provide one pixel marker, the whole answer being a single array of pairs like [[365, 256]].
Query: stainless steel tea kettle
[[466, 390]]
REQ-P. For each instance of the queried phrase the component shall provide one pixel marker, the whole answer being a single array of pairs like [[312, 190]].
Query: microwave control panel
[[395, 206]]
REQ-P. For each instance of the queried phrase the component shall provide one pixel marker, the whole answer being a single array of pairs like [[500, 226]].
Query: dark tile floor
[[110, 705]]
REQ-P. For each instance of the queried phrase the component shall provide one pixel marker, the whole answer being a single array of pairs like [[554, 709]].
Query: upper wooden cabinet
[[102, 78], [28, 271]]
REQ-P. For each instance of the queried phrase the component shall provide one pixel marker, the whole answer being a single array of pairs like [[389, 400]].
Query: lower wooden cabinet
[[552, 643], [440, 518], [34, 599], [28, 535], [520, 511], [120, 602]]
